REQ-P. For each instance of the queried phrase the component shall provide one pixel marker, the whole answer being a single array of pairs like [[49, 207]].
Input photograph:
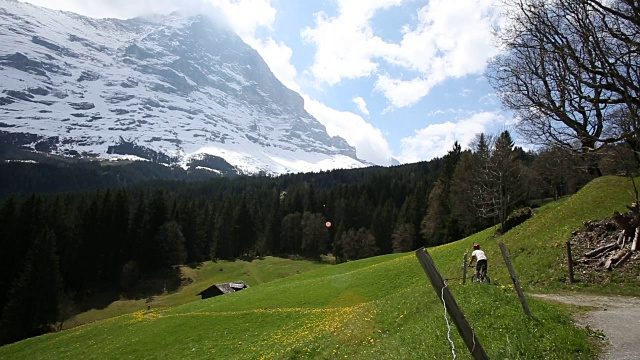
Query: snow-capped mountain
[[170, 88]]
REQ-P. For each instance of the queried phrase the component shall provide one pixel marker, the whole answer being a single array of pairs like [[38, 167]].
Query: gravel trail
[[618, 317]]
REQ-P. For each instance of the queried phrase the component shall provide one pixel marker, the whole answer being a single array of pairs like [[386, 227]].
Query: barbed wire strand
[[473, 333], [453, 346]]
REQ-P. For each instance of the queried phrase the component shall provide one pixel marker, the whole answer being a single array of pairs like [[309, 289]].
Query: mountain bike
[[481, 277]]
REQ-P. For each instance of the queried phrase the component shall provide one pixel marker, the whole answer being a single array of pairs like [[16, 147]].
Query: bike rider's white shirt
[[479, 255]]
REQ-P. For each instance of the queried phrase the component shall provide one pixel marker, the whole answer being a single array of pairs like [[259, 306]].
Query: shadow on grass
[[147, 286], [156, 283]]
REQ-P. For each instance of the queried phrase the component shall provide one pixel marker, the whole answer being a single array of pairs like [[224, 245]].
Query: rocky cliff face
[[171, 89]]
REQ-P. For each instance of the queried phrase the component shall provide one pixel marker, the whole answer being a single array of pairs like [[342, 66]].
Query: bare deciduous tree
[[568, 68], [403, 238]]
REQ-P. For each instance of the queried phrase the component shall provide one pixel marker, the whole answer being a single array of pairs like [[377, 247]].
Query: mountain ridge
[[169, 88]]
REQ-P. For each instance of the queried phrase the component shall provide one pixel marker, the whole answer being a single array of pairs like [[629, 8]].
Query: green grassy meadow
[[251, 272], [376, 308]]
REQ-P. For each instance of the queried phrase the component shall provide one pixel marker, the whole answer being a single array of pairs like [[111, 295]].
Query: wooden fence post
[[570, 262], [465, 330], [514, 278], [464, 269]]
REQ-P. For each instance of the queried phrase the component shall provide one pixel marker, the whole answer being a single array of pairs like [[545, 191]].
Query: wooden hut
[[221, 289]]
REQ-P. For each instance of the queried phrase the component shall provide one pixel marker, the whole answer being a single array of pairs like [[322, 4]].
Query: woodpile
[[608, 244]]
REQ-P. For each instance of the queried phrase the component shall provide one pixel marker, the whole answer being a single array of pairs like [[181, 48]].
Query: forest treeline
[[39, 174], [55, 248]]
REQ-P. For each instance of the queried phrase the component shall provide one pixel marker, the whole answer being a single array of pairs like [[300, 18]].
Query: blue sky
[[398, 79]]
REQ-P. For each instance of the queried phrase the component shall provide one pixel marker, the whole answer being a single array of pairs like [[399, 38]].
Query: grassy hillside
[[251, 272], [377, 308]]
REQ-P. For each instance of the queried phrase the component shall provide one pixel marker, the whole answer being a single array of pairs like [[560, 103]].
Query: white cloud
[[402, 93], [368, 140], [362, 105], [278, 56], [437, 139], [124, 9], [246, 16], [346, 45], [451, 39]]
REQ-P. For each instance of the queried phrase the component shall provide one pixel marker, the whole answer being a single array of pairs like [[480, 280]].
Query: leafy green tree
[[358, 244]]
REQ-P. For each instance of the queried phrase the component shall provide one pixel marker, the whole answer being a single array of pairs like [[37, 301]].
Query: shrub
[[516, 218]]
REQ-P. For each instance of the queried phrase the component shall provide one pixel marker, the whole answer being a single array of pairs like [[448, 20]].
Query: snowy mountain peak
[[171, 89]]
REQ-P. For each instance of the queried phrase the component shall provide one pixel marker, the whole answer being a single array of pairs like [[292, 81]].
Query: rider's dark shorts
[[481, 265]]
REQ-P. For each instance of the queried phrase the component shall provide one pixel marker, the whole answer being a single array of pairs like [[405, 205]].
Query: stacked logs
[[615, 254]]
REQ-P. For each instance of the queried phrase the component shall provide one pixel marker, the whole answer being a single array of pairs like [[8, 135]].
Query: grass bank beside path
[[537, 248]]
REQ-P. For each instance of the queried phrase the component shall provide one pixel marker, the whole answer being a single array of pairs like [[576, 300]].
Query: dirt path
[[617, 317]]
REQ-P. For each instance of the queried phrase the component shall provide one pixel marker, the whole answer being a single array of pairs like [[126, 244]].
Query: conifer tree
[[438, 226], [336, 247], [291, 233], [191, 223], [121, 243], [8, 247], [170, 242], [382, 226], [208, 226], [315, 235], [90, 254], [273, 223], [224, 229], [35, 294], [158, 216], [137, 230]]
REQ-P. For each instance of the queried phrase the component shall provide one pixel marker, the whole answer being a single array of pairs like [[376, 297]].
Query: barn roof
[[226, 288]]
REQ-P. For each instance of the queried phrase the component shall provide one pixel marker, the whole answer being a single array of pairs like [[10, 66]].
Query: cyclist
[[481, 261]]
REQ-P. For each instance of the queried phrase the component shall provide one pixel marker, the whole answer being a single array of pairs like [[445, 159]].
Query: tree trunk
[[601, 250]]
